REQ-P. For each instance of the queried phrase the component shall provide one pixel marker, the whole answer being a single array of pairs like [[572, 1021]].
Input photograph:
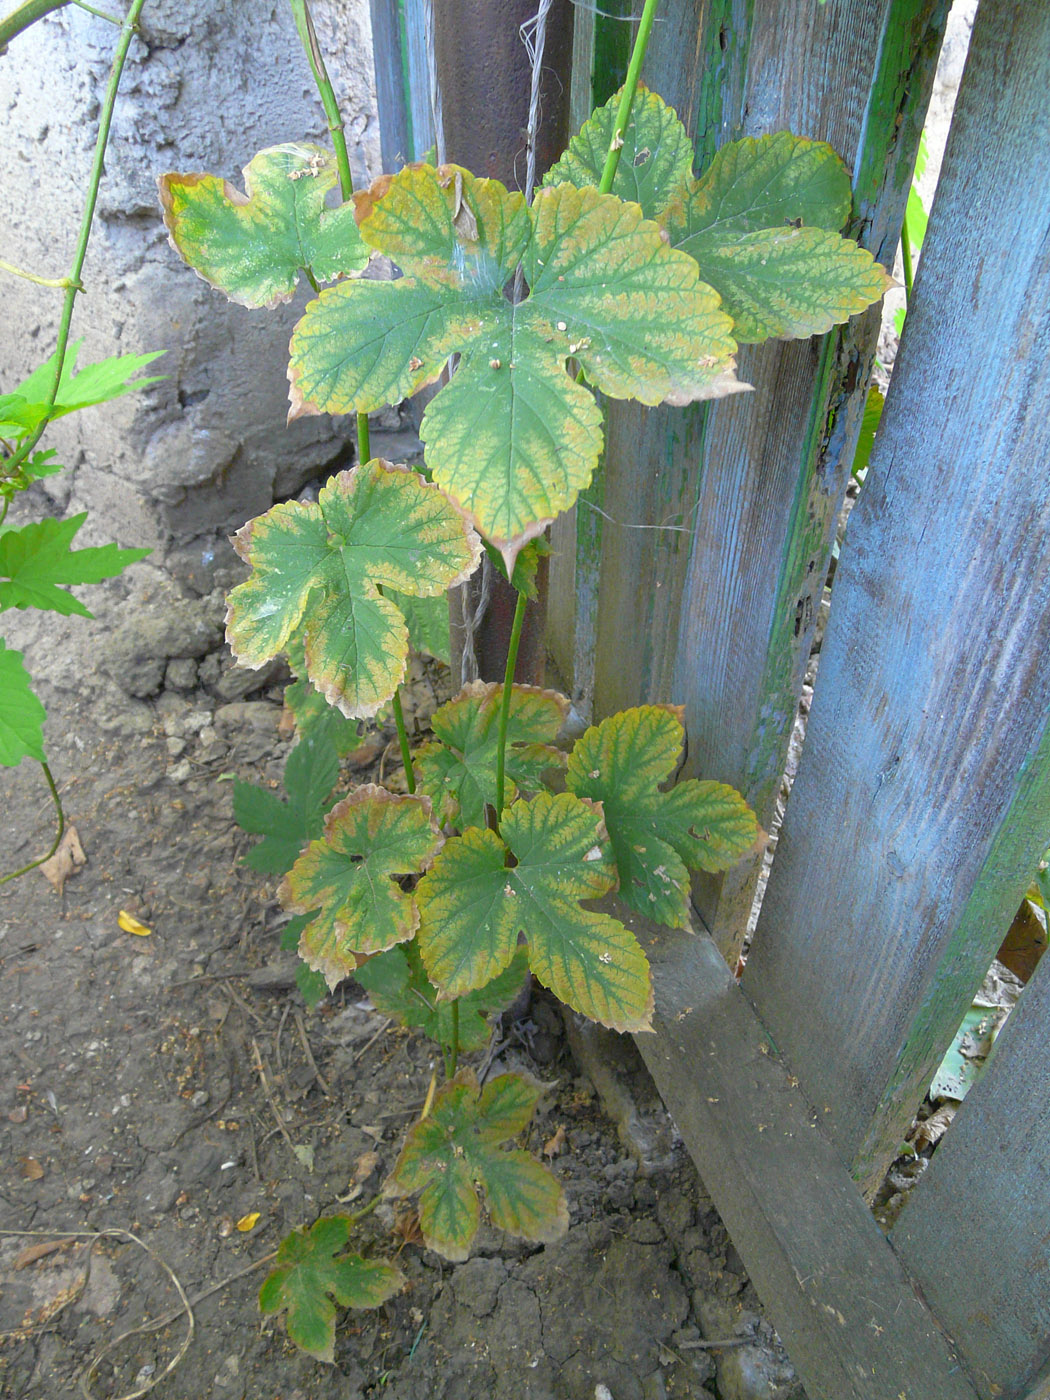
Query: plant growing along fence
[[624, 275]]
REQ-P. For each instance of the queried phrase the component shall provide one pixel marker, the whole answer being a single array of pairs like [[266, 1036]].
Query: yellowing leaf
[[375, 526], [130, 924], [657, 837], [473, 907], [762, 224], [310, 1271], [249, 1222], [347, 880], [455, 1151], [253, 246], [513, 438]]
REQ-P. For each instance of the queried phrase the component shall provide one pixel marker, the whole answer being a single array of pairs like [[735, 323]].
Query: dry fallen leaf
[[66, 861], [556, 1144], [932, 1129], [365, 1166], [30, 1168], [249, 1222], [130, 924], [18, 1115], [38, 1251]]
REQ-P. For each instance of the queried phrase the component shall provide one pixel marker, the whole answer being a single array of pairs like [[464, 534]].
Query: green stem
[[305, 25], [14, 874], [127, 33], [630, 86], [402, 739], [62, 283], [504, 709], [906, 259], [366, 1209], [26, 15], [99, 14], [451, 1056]]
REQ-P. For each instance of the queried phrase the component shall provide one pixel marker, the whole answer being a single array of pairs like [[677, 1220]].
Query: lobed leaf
[[21, 713], [762, 225], [399, 987], [458, 773], [347, 879], [37, 559], [310, 773], [656, 157], [373, 526], [657, 837], [253, 246], [455, 1152], [473, 909], [512, 438], [312, 713], [22, 412], [310, 1272]]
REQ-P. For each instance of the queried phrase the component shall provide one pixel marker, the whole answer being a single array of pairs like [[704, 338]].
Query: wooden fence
[[922, 800]]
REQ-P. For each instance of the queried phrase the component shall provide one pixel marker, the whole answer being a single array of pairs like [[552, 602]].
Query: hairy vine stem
[[14, 874], [630, 87], [504, 709]]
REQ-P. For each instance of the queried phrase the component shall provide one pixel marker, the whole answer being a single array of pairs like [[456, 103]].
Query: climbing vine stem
[[630, 86], [504, 709], [14, 874]]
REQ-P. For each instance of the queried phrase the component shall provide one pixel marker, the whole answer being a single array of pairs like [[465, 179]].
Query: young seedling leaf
[[473, 908], [21, 713], [375, 526], [310, 773], [458, 773], [22, 412], [311, 1271], [655, 158], [399, 987], [253, 246], [513, 438], [762, 223], [869, 426], [37, 559], [347, 879], [525, 578], [657, 837], [455, 1152]]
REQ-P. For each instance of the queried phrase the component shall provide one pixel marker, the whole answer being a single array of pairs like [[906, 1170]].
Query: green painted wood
[[923, 796], [402, 82], [974, 1232], [853, 1324], [700, 558]]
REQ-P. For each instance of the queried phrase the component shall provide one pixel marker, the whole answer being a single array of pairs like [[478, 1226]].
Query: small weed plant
[[625, 276]]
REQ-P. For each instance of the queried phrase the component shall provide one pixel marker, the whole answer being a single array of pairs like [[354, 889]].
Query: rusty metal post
[[485, 78]]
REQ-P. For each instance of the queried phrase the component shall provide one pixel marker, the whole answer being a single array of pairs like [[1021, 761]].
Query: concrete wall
[[209, 83]]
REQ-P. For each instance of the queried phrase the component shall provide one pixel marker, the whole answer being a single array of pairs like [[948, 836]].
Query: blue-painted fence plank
[[922, 800]]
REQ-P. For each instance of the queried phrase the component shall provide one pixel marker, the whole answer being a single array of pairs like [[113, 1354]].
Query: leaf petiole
[[630, 86], [402, 739], [504, 709], [14, 874]]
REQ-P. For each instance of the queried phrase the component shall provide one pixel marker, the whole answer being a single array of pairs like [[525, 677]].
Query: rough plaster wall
[[209, 83]]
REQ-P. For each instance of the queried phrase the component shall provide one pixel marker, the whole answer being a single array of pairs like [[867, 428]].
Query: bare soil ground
[[165, 1087]]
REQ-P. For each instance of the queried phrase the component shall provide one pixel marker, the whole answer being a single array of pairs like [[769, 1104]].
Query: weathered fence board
[[836, 1292], [922, 800], [406, 128], [975, 1233], [700, 554]]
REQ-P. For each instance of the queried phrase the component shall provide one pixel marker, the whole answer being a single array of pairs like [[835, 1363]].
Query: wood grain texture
[[847, 1312], [974, 1233], [923, 796], [402, 82]]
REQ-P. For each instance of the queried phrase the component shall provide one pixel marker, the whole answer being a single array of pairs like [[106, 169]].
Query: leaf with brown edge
[[253, 246], [455, 1154], [657, 837], [458, 772], [473, 908], [377, 525], [310, 1271], [762, 223], [512, 438], [347, 880]]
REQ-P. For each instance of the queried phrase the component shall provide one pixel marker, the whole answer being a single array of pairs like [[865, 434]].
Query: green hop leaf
[[253, 246], [312, 985], [311, 712], [309, 776], [399, 987], [473, 909], [310, 1272], [657, 837], [22, 412], [762, 224], [458, 773], [455, 1151], [427, 622], [512, 438], [375, 526], [38, 558], [655, 158], [21, 713], [347, 879]]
